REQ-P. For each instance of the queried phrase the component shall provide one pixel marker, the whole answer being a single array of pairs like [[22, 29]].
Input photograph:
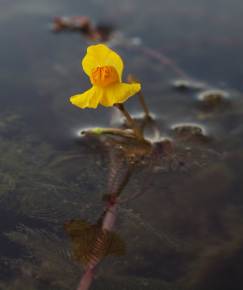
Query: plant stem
[[109, 131], [130, 121], [131, 79], [107, 225], [144, 105]]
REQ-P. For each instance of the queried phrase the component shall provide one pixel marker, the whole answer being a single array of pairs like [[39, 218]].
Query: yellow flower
[[104, 68]]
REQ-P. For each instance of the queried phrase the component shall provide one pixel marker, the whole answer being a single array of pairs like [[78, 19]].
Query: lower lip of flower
[[104, 76]]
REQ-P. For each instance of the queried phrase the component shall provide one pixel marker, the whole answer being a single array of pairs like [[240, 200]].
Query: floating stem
[[109, 131]]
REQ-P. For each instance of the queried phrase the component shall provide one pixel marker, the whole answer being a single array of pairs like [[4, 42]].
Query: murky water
[[181, 216]]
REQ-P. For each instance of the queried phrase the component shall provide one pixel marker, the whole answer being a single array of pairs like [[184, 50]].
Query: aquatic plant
[[92, 242], [104, 68], [42, 177]]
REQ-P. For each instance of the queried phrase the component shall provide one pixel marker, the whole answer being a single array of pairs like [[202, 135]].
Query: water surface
[[184, 228]]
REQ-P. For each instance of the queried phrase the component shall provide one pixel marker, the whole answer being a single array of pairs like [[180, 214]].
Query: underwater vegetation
[[185, 246], [32, 173]]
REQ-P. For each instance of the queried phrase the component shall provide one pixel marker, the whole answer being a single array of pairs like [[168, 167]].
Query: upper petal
[[88, 99], [118, 93], [101, 55]]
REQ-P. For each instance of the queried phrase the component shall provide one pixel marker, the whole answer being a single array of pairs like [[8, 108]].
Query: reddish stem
[[86, 280], [107, 224]]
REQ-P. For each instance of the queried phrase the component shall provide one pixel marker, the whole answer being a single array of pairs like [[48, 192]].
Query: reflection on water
[[179, 211]]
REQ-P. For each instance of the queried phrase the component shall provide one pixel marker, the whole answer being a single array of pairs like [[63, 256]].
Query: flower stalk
[[144, 105], [137, 131], [131, 79]]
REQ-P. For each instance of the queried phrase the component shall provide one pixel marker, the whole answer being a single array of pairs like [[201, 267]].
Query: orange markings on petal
[[104, 76]]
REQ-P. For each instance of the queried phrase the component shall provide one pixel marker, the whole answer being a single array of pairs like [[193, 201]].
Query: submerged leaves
[[90, 243]]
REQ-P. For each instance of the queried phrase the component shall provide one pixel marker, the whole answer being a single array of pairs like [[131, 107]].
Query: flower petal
[[88, 99], [118, 93], [101, 55]]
